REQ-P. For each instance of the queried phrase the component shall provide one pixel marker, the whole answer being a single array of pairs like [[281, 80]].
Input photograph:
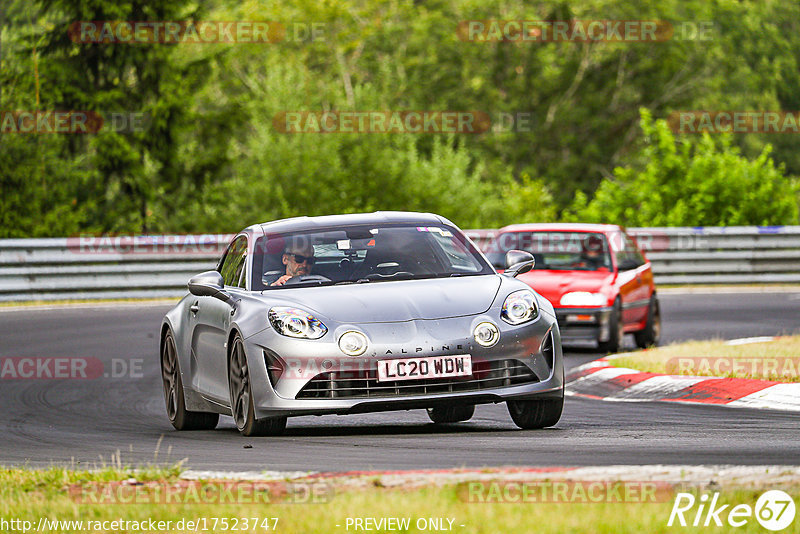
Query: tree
[[692, 182], [131, 172]]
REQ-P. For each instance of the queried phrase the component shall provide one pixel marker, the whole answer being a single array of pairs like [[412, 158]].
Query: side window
[[233, 262], [629, 256], [455, 253], [241, 271], [634, 252], [224, 258]]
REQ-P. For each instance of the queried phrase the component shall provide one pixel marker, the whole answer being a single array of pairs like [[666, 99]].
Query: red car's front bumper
[[583, 325]]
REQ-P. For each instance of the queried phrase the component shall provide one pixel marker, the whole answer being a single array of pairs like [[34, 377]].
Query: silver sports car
[[359, 313]]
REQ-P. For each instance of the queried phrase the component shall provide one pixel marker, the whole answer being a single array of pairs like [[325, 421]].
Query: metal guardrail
[[105, 267], [160, 266]]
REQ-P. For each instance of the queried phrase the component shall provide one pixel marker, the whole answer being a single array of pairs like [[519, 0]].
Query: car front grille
[[364, 384]]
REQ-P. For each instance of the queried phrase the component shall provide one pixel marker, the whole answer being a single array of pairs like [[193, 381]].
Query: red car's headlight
[[583, 298]]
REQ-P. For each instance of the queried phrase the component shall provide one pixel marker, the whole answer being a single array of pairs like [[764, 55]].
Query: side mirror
[[209, 284], [628, 265], [518, 262]]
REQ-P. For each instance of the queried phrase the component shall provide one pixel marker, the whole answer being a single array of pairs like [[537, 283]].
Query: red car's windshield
[[560, 251]]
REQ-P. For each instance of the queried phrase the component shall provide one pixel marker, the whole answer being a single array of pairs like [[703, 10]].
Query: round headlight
[[353, 343], [519, 307], [486, 334], [293, 322]]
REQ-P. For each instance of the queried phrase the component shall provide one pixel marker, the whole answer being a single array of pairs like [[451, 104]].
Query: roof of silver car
[[326, 221]]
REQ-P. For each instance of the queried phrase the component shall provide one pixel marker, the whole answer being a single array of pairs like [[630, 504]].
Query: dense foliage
[[211, 160], [684, 183]]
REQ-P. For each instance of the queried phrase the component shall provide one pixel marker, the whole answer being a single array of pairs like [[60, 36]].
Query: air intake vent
[[275, 366], [364, 384], [548, 349]]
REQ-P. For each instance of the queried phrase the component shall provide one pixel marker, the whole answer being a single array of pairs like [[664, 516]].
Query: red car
[[599, 282]]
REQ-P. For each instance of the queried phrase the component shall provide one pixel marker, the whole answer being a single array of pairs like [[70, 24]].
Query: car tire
[[241, 395], [179, 416], [650, 335], [616, 330], [451, 414], [539, 413]]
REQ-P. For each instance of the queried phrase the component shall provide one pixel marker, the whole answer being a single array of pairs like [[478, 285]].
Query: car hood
[[403, 300], [552, 285]]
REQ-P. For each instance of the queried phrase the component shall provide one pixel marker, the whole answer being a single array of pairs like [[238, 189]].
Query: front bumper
[[273, 396], [583, 325]]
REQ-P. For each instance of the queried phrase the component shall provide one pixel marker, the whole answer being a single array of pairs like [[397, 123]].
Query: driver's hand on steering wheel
[[282, 280]]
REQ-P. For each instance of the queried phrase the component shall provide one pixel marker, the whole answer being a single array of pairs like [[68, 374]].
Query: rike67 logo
[[774, 510]]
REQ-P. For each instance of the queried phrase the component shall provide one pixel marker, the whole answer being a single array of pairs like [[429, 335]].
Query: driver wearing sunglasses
[[298, 259]]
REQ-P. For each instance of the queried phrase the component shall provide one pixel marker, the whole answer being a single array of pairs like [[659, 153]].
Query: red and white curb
[[601, 380]]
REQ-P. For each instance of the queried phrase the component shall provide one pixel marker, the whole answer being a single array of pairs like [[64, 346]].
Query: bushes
[[701, 181]]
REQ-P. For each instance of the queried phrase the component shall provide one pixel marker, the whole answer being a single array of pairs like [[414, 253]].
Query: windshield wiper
[[401, 275], [347, 282], [310, 283], [376, 277]]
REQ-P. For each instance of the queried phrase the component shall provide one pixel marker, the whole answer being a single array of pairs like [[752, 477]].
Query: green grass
[[773, 360], [31, 494]]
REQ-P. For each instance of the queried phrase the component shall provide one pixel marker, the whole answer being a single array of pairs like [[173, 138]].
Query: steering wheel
[[306, 278]]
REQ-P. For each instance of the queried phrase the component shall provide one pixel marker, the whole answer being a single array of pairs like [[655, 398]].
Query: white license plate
[[430, 367]]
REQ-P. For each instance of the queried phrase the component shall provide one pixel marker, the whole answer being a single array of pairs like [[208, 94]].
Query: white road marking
[[601, 376], [777, 397], [749, 340]]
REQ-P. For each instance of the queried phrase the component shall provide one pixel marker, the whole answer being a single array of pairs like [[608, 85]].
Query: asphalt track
[[87, 422]]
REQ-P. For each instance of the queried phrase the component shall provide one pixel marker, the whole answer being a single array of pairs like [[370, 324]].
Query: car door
[[644, 279], [212, 318], [633, 286]]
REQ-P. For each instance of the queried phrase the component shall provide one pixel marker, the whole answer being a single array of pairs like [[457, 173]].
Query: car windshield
[[363, 254], [558, 251]]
